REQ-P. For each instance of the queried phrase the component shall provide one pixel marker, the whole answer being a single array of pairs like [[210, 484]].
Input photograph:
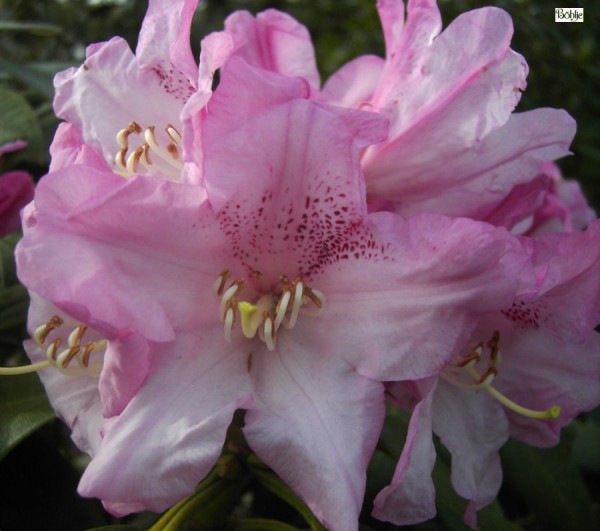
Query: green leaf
[[261, 524], [272, 483], [549, 482], [14, 302], [30, 75], [586, 446], [209, 506], [19, 122], [34, 28], [23, 409], [8, 274], [117, 527]]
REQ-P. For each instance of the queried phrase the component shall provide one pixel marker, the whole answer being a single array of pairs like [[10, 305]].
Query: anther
[[282, 306], [76, 335], [219, 284], [173, 134], [41, 332]]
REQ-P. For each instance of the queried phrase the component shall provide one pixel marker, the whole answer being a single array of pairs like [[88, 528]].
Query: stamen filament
[[25, 369], [552, 413]]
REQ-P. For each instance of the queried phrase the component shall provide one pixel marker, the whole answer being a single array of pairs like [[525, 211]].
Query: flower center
[[151, 155], [465, 365], [62, 358], [266, 310]]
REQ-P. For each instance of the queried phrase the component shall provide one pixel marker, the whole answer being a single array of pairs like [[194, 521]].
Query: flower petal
[[107, 229], [353, 85], [472, 425], [276, 42], [164, 41], [103, 96], [68, 149], [420, 287], [16, 190], [316, 422], [410, 497], [304, 188], [473, 182], [155, 453]]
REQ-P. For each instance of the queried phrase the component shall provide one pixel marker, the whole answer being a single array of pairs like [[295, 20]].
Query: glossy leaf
[[272, 483], [33, 28], [23, 409], [549, 482], [33, 76], [19, 122], [261, 524]]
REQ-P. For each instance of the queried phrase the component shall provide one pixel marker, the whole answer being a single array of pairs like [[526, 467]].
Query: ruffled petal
[[353, 85], [472, 425], [107, 228], [164, 41], [276, 42], [316, 422], [102, 97], [419, 290], [155, 453], [75, 399], [301, 192], [68, 149], [410, 497], [472, 183], [431, 77]]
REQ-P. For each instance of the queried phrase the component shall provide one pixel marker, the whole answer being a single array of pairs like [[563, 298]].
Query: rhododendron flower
[[454, 145], [16, 190], [539, 362], [270, 288]]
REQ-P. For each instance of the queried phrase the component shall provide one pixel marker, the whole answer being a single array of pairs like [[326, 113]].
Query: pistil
[[265, 315], [466, 365]]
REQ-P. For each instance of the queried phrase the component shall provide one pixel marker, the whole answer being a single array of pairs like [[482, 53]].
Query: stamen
[[282, 306], [229, 319], [298, 289], [41, 332], [219, 284], [467, 364], [269, 331], [61, 360]]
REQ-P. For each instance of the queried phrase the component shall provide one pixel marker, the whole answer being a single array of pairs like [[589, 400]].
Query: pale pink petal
[[410, 498], [430, 77], [126, 365], [353, 85], [540, 371], [16, 190], [517, 209], [276, 42], [308, 175], [107, 229], [473, 183], [316, 422], [157, 451], [68, 149], [473, 427], [74, 399], [9, 147], [110, 91], [391, 13], [164, 41], [419, 290]]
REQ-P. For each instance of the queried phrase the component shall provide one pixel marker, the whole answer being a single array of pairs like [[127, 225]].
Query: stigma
[[75, 358], [163, 157], [463, 373], [265, 310]]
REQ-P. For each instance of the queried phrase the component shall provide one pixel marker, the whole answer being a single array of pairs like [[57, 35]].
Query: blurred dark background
[[563, 58]]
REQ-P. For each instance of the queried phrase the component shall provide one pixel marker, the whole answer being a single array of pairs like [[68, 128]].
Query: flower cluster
[[16, 190], [306, 253]]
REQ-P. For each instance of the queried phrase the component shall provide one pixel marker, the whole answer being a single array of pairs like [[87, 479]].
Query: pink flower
[[455, 146], [270, 288], [16, 190], [539, 362]]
